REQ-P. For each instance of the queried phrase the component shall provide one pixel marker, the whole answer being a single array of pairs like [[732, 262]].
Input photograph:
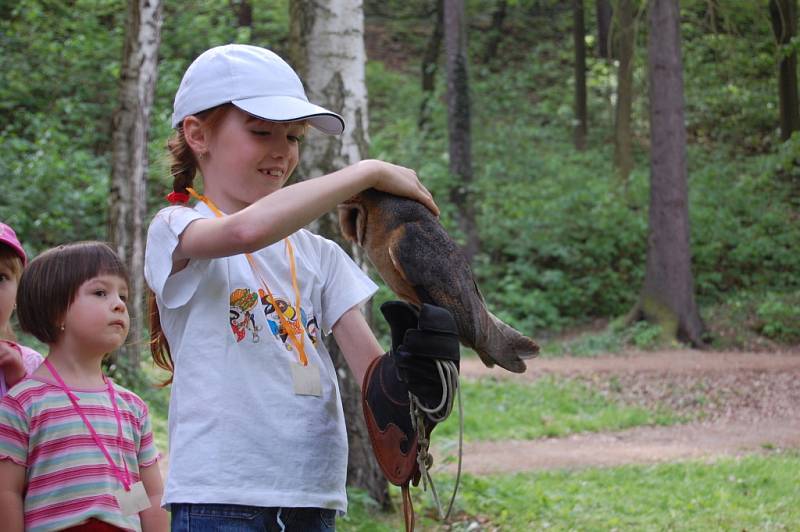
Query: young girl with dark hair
[[76, 449]]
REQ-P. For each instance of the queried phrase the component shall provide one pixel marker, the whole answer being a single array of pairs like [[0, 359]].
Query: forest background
[[562, 233], [562, 239]]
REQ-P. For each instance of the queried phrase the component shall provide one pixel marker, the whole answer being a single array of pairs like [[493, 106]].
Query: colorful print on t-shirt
[[296, 321], [243, 301]]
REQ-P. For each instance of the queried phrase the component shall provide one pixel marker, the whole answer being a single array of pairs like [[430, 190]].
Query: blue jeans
[[236, 518]]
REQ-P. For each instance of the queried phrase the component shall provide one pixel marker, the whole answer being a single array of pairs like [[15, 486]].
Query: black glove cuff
[[431, 344]]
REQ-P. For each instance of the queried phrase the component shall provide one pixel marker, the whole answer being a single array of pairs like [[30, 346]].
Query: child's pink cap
[[9, 238]]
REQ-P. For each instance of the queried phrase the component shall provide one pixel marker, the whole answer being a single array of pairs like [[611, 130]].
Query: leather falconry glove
[[419, 340]]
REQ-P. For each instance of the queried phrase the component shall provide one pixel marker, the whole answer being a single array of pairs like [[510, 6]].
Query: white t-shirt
[[238, 432]]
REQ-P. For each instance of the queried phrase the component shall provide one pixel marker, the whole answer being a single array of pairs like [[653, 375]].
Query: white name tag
[[306, 379], [133, 501]]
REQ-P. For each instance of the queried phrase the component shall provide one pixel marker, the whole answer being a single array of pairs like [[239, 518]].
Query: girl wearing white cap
[[243, 294]]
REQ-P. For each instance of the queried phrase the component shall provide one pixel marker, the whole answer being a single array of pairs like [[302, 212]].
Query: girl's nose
[[279, 148], [119, 304]]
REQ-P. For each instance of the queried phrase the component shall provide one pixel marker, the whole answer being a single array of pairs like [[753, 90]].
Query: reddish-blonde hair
[[183, 168]]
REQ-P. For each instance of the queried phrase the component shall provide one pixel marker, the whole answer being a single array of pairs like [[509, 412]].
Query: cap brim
[[17, 248], [288, 109]]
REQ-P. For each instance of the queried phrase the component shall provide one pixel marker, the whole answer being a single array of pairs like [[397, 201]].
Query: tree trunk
[[430, 65], [604, 17], [623, 144], [458, 124], [327, 49], [244, 13], [127, 201], [667, 296], [496, 31], [579, 35], [783, 15]]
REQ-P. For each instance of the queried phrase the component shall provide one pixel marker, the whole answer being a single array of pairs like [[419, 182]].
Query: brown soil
[[741, 403]]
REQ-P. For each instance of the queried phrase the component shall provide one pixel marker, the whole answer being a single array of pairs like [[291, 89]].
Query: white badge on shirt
[[133, 501], [306, 379]]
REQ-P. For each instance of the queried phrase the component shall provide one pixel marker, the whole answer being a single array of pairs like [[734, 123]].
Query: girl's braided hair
[[183, 168]]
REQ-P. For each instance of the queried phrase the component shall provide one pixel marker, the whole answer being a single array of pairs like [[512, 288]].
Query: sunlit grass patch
[[753, 493], [546, 407]]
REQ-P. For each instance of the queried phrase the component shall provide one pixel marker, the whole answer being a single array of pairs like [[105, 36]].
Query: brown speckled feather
[[421, 264]]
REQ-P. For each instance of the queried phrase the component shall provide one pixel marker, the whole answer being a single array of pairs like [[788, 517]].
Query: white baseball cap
[[255, 80]]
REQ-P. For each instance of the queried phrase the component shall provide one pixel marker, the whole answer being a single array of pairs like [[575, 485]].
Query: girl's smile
[[248, 158]]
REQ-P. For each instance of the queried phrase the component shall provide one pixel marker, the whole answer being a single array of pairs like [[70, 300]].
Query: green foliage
[[563, 242], [731, 84], [754, 320], [51, 198], [613, 339], [55, 109], [157, 399], [60, 64], [779, 317], [548, 407]]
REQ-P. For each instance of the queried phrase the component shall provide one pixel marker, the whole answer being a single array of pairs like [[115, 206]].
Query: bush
[[779, 317]]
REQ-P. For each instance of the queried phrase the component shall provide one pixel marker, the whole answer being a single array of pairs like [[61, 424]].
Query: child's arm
[[284, 211], [11, 362], [357, 342], [154, 518], [12, 486]]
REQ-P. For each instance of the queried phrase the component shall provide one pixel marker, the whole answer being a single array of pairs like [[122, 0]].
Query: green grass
[[751, 493], [547, 407]]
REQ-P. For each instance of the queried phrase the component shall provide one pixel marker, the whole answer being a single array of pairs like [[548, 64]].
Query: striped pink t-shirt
[[68, 479]]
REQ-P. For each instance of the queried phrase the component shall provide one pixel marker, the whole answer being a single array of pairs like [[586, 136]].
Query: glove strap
[[408, 508]]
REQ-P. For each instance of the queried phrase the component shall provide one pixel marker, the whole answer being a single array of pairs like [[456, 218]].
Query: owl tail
[[501, 344]]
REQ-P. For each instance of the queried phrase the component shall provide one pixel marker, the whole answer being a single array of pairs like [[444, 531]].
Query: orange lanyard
[[294, 331]]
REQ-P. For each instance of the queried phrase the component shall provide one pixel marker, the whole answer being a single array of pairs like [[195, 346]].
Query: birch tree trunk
[[667, 296], [127, 199], [328, 52], [458, 123]]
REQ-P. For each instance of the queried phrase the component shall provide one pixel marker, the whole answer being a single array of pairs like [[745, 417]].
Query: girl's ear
[[195, 134]]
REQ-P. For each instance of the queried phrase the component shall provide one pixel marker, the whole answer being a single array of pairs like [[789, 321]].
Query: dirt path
[[748, 402]]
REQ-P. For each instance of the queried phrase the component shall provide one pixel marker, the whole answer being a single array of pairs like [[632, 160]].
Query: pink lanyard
[[125, 478]]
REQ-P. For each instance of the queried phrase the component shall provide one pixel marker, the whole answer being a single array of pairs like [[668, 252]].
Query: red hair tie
[[177, 197]]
